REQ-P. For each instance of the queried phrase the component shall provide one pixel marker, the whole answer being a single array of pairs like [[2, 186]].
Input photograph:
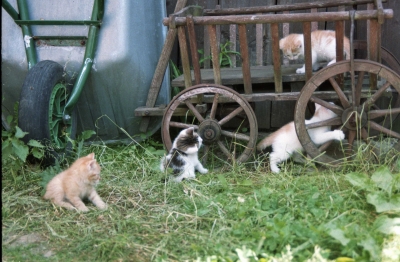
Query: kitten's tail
[[266, 142]]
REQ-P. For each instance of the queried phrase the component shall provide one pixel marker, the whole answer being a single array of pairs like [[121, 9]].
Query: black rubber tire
[[34, 107]]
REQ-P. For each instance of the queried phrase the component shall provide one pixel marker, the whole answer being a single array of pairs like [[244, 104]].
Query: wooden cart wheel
[[220, 105], [386, 56], [359, 116]]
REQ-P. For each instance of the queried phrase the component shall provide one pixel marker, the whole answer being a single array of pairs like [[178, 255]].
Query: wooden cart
[[219, 102]]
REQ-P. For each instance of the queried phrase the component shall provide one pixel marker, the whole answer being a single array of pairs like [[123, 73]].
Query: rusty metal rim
[[200, 89], [323, 75]]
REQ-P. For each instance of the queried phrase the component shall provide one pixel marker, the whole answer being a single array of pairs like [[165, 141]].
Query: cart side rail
[[189, 22]]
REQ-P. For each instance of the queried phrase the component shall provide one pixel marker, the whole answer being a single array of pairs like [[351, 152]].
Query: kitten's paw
[[83, 209], [275, 169], [102, 206], [203, 170], [338, 135], [300, 70]]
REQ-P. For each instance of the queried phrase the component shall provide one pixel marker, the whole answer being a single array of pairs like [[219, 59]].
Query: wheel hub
[[210, 131], [354, 119]]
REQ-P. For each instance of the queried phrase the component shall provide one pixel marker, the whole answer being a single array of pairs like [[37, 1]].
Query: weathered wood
[[244, 51], [307, 49], [184, 56], [234, 76], [212, 31], [314, 25], [259, 44], [232, 39], [193, 50], [263, 114], [281, 18], [286, 96], [373, 46], [159, 111], [282, 112], [276, 57], [280, 8]]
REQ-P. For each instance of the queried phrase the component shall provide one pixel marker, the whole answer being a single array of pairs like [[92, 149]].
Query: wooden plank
[[259, 44], [202, 33], [314, 25], [212, 31], [232, 39], [193, 50], [276, 57], [184, 56], [307, 49], [234, 76], [282, 112], [263, 114], [244, 51]]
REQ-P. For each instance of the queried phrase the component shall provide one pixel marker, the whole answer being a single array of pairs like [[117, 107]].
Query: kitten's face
[[291, 47], [91, 169], [188, 139], [94, 172]]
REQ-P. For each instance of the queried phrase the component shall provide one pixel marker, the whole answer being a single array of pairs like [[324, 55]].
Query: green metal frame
[[22, 19]]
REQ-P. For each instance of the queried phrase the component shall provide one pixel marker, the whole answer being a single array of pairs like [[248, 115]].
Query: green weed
[[231, 214], [14, 151]]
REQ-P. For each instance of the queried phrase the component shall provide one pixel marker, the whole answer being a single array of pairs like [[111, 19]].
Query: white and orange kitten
[[323, 48], [284, 141], [182, 157], [68, 188]]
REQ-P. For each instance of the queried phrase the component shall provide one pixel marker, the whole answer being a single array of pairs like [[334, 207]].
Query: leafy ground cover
[[234, 213]]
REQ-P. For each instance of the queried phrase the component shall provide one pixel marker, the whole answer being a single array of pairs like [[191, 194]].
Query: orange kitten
[[68, 188], [323, 48]]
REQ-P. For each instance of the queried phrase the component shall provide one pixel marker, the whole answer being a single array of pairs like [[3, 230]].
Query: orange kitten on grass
[[68, 188], [323, 48]]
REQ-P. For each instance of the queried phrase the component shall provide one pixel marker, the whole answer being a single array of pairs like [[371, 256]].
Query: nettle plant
[[14, 150], [382, 188]]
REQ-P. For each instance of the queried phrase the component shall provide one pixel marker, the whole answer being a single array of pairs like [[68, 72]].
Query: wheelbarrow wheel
[[373, 111], [213, 117], [42, 101]]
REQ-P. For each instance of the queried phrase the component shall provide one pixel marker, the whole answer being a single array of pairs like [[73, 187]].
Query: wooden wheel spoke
[[378, 94], [206, 150], [224, 150], [329, 122], [384, 112], [214, 106], [230, 115], [182, 125], [194, 111], [352, 136], [358, 87], [334, 108], [342, 96], [237, 136], [382, 129], [325, 146], [364, 134]]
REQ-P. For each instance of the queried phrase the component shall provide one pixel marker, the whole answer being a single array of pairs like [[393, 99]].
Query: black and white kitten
[[182, 157]]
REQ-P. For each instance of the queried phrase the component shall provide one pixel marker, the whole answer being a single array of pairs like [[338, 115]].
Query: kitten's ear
[[317, 106], [91, 156], [190, 131], [91, 164]]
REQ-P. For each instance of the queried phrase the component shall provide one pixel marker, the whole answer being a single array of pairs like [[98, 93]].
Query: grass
[[218, 216]]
